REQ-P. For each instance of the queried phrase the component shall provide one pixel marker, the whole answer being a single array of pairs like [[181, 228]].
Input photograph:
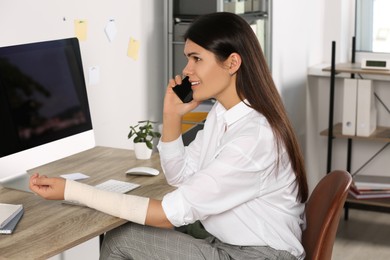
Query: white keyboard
[[117, 186], [110, 185]]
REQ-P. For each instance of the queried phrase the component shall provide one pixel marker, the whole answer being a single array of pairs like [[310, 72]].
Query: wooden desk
[[51, 227]]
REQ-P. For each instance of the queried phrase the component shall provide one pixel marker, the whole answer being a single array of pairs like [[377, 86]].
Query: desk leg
[[101, 238]]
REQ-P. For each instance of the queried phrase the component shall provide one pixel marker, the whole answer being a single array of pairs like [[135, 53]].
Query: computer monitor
[[43, 101]]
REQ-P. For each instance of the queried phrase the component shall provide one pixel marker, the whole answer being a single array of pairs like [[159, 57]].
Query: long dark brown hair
[[226, 33]]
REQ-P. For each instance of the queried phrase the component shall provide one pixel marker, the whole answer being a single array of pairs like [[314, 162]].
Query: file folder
[[366, 118], [349, 107]]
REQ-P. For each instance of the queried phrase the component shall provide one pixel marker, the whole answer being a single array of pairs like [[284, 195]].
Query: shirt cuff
[[172, 209]]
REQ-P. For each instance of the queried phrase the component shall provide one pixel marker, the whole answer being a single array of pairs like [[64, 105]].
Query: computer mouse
[[143, 170]]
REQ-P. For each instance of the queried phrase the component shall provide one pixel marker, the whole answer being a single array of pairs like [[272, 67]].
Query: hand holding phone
[[184, 91]]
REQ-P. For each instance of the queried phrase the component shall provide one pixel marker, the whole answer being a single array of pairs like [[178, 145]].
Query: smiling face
[[209, 77]]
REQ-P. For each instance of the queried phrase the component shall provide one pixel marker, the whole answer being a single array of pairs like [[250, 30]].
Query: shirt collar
[[233, 114]]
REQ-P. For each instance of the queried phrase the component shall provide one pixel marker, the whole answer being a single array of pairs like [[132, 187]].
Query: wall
[[129, 89], [293, 37], [297, 43]]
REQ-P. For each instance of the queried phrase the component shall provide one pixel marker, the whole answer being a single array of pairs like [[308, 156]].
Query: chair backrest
[[323, 210]]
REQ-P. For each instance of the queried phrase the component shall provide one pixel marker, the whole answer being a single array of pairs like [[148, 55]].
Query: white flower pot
[[142, 152]]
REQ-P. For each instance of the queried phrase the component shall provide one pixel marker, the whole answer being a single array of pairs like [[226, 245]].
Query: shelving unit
[[355, 68], [181, 13], [381, 134]]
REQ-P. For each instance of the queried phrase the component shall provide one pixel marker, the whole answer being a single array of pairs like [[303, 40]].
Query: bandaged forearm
[[130, 207]]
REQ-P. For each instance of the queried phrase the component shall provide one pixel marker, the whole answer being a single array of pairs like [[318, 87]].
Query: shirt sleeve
[[179, 162]]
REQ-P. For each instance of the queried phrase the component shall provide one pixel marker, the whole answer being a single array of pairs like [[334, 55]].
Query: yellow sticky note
[[80, 27], [133, 49]]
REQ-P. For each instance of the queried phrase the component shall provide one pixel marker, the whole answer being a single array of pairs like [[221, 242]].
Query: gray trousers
[[137, 242]]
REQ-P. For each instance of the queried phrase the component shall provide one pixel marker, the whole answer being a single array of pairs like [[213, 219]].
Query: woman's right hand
[[172, 103], [174, 109]]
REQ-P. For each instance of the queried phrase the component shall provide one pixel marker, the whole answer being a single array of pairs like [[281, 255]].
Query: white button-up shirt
[[227, 178]]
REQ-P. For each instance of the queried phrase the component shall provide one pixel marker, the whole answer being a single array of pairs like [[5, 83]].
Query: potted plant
[[143, 138]]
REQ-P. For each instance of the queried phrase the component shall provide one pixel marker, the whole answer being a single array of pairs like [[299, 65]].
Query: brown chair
[[323, 210]]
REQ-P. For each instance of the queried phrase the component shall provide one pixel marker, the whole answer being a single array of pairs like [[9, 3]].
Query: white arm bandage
[[130, 207]]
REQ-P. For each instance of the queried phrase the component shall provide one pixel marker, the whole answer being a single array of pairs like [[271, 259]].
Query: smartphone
[[184, 91]]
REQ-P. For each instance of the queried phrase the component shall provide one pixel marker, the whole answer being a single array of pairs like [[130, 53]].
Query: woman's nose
[[187, 70]]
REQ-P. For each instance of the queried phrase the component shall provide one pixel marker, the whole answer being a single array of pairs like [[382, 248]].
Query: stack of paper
[[370, 187], [10, 214]]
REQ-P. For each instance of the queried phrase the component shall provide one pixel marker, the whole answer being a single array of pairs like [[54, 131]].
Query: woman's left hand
[[48, 188]]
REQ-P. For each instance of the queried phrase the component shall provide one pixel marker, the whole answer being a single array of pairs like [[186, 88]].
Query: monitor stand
[[17, 182]]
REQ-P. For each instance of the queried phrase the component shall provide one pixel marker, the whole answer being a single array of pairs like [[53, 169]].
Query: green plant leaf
[[149, 144], [143, 133]]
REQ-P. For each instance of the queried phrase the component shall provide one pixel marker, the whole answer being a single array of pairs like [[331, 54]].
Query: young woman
[[242, 180]]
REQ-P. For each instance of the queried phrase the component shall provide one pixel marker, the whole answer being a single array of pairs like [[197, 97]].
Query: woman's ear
[[234, 63]]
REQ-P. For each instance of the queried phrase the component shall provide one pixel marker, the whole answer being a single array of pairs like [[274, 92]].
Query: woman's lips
[[195, 83]]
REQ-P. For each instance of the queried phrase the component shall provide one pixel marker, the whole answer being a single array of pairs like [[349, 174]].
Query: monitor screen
[[43, 95]]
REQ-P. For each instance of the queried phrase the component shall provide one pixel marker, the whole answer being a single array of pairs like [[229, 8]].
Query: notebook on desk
[[17, 182]]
